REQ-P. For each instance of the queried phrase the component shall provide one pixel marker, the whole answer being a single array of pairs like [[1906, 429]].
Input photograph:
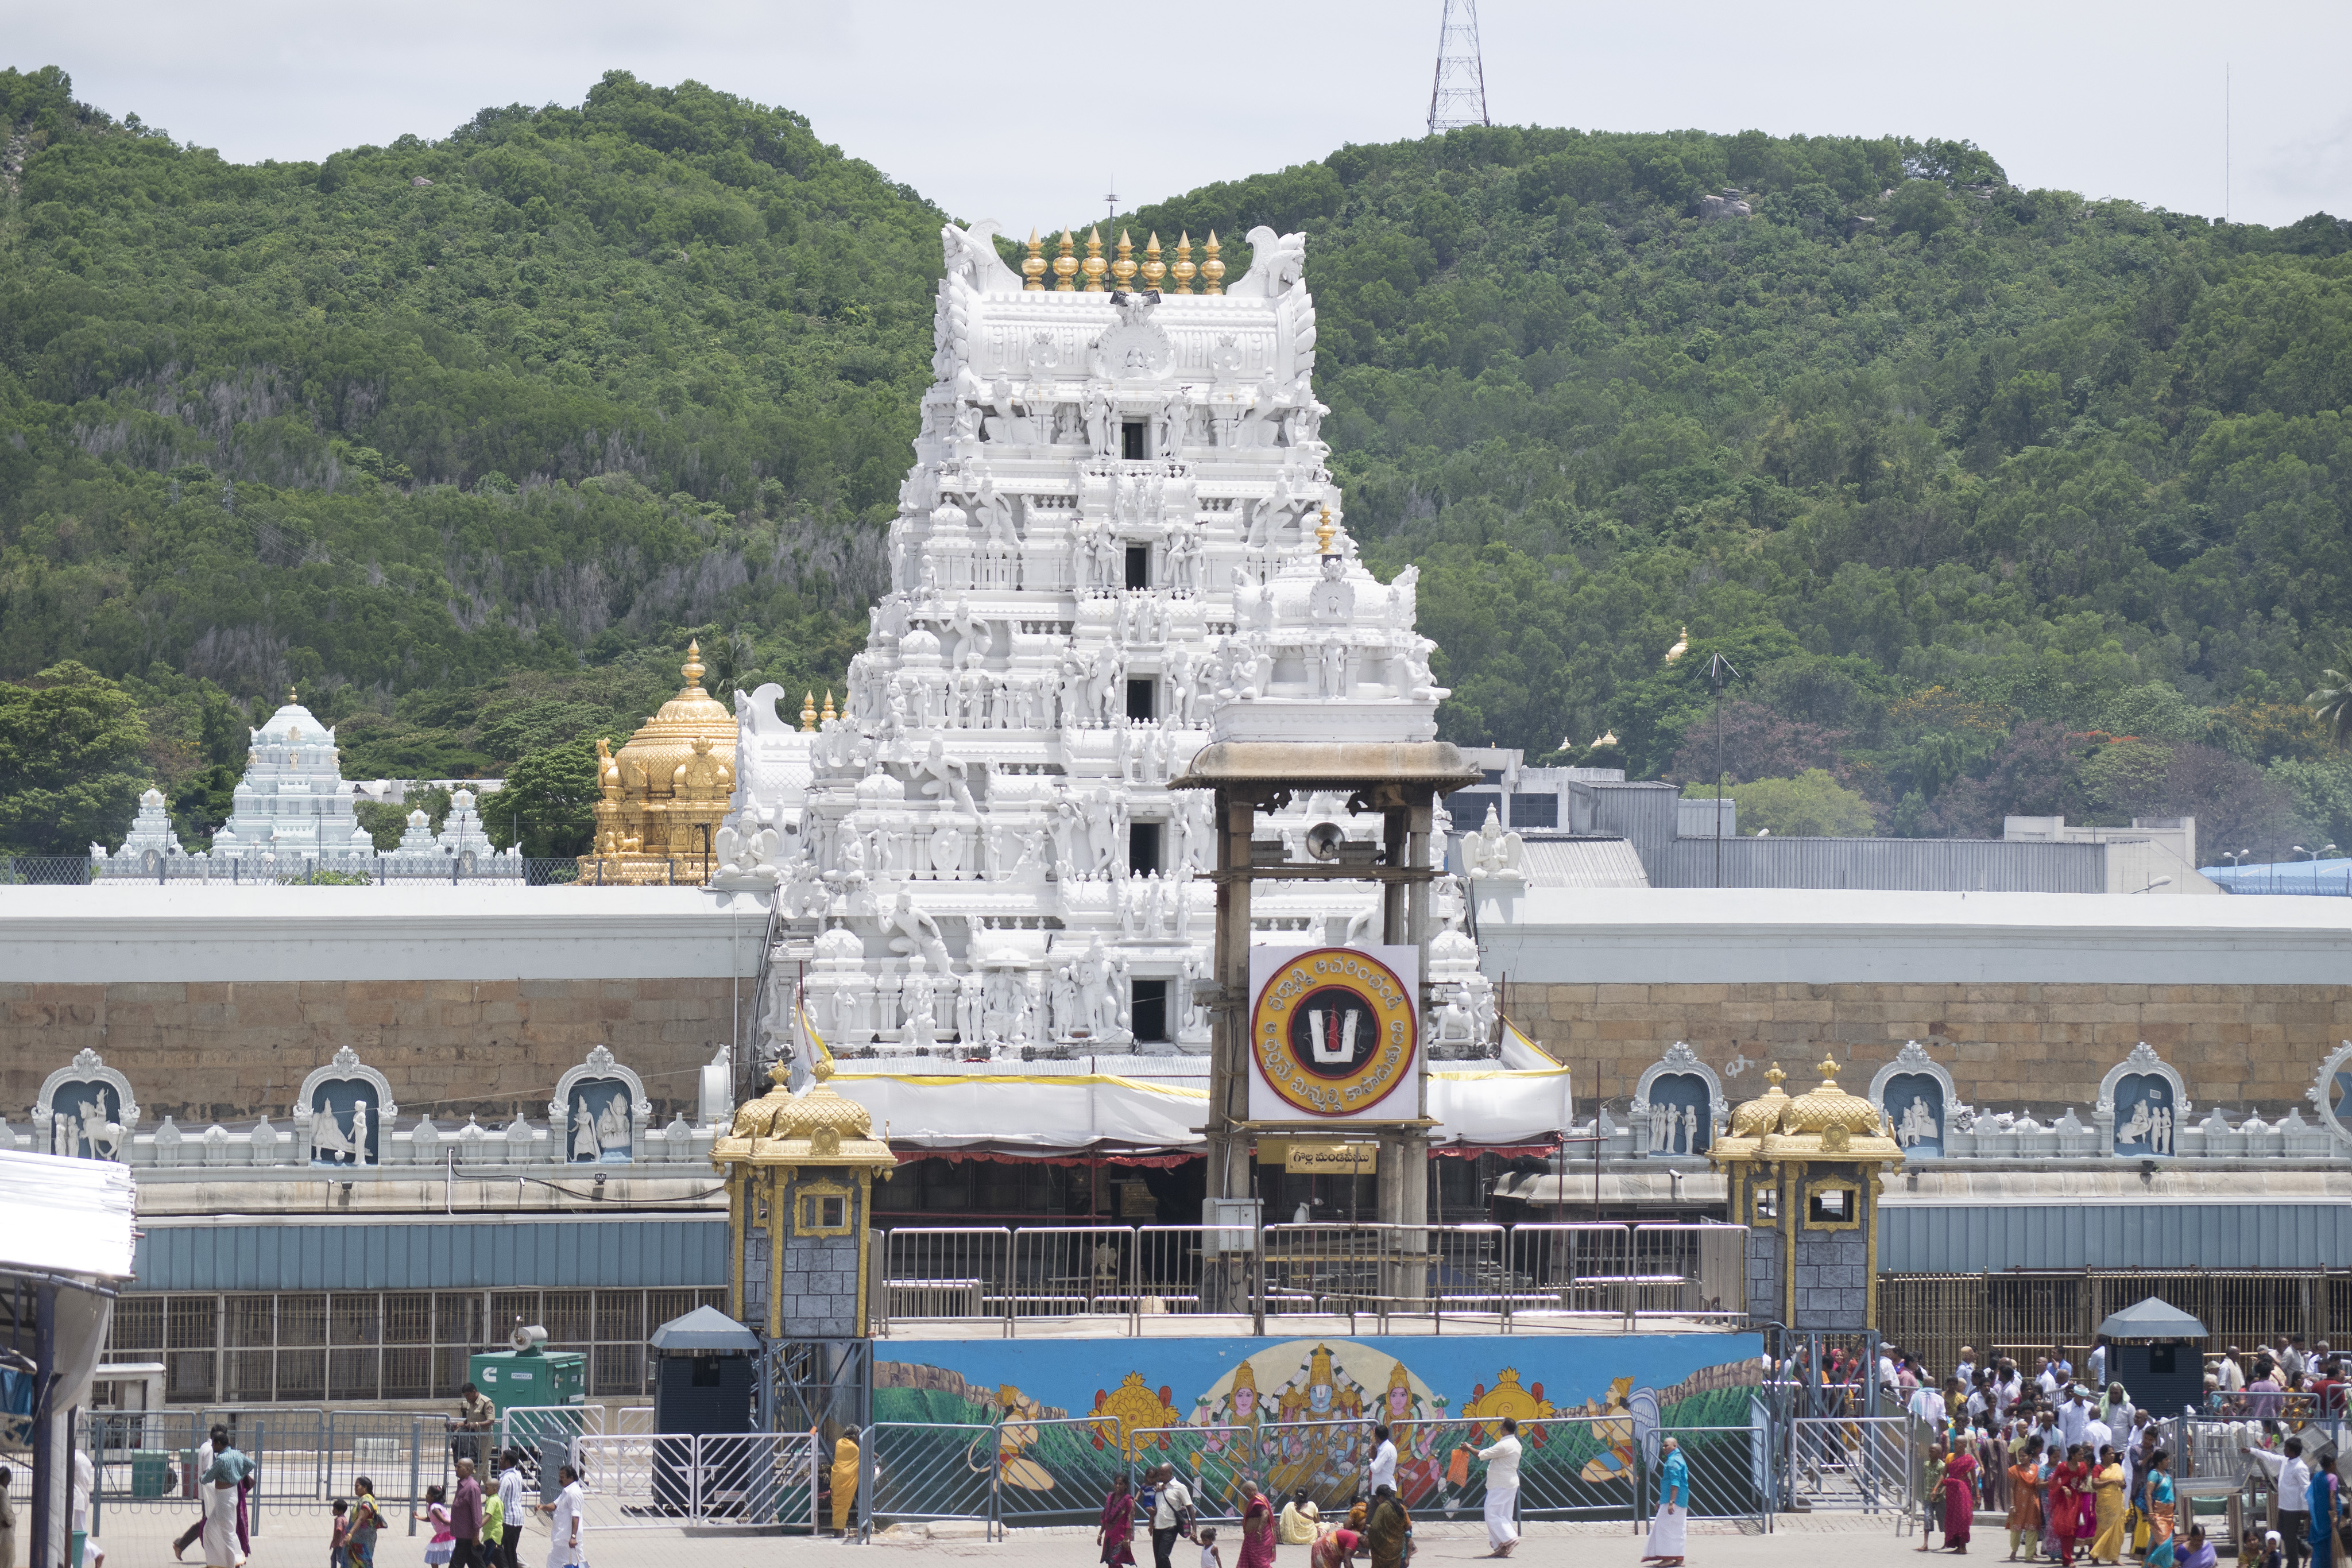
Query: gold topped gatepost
[[799, 1172], [665, 792], [1803, 1175]]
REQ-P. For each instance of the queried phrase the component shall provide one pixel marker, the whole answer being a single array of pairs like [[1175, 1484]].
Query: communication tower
[[1458, 96]]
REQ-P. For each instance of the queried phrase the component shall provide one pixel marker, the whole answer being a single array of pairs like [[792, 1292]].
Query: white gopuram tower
[[293, 802], [1118, 534]]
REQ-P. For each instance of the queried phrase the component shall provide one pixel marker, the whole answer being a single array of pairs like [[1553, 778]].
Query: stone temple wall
[[202, 1051], [2012, 1045]]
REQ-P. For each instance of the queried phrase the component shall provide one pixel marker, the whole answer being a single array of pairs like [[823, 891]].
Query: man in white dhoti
[[1503, 1490], [1669, 1525], [85, 1480], [218, 1490], [563, 1528]]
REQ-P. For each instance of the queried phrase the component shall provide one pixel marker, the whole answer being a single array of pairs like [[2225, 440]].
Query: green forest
[[1995, 500]]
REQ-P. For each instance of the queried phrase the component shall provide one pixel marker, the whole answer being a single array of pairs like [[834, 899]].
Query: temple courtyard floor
[[142, 1540]]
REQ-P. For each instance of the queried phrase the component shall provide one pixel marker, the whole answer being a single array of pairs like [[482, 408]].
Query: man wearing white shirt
[[1503, 1490], [2075, 1416], [1966, 1370], [2046, 1379], [2234, 1376], [2291, 1477], [563, 1526], [2098, 1363], [2098, 1435], [510, 1509], [1927, 1404], [1384, 1457]]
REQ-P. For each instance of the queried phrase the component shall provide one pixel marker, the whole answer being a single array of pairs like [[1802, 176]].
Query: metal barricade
[[1568, 1271], [936, 1471], [633, 1420], [398, 1454], [1221, 1466], [753, 1480], [143, 1462], [637, 1483], [1069, 1271], [288, 1445], [528, 1427], [950, 1273], [1324, 1270], [1865, 1462], [1582, 1466], [1729, 1470], [740, 1481], [1694, 1272], [1172, 1271], [1057, 1471]]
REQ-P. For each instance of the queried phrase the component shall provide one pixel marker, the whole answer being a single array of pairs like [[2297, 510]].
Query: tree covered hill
[[1972, 484]]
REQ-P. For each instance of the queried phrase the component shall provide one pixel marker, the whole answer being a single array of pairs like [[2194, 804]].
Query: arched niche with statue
[[1917, 1096], [85, 1110], [343, 1114], [2143, 1105], [1677, 1104], [599, 1113]]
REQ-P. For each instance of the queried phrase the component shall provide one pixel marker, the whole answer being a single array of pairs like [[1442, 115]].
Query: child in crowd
[[1209, 1557], [443, 1545], [338, 1544]]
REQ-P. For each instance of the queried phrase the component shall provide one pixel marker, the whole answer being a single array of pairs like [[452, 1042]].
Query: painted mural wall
[[1062, 1418]]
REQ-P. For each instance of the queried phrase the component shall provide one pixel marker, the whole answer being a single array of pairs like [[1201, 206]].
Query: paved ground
[[140, 1540]]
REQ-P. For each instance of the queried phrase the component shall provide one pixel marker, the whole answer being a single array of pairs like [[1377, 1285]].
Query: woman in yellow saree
[[2107, 1485], [844, 1480]]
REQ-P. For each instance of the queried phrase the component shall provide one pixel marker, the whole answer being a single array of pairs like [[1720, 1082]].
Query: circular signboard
[[1332, 1031]]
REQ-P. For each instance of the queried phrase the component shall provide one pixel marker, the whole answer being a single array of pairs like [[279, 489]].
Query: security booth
[[706, 1378], [2157, 1353]]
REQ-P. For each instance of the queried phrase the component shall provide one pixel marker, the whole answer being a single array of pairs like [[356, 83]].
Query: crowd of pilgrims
[[2078, 1467]]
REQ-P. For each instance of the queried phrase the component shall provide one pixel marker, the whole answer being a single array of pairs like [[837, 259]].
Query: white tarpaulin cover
[[1103, 1113], [66, 1216]]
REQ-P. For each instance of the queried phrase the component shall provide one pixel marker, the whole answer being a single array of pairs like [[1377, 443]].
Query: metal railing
[[923, 1472], [1728, 1470], [144, 1461], [734, 1480], [1557, 1275], [1867, 1462]]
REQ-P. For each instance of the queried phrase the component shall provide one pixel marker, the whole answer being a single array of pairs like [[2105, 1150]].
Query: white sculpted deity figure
[[942, 777], [1102, 422], [1492, 852], [915, 931]]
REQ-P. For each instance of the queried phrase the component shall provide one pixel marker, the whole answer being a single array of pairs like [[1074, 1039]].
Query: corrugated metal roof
[[1909, 866], [1582, 863], [2309, 879], [1975, 1238], [454, 1254]]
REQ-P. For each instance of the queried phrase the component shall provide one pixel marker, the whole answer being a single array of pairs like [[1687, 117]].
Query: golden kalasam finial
[[1066, 266], [1093, 266], [1212, 271], [1033, 266], [1774, 1076], [1155, 271], [1828, 1071], [692, 668], [1183, 271], [1122, 271], [808, 710], [293, 697], [829, 716], [1323, 533]]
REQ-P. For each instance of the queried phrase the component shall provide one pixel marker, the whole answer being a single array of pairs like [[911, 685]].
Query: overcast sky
[[1027, 114]]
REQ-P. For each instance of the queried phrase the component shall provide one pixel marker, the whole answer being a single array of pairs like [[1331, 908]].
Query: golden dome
[[1762, 1115], [686, 749], [1829, 1106]]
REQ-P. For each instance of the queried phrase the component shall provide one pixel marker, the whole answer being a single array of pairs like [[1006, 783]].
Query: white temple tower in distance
[[1118, 535]]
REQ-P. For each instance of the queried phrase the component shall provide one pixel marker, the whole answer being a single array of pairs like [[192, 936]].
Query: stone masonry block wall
[[1833, 1279], [820, 1291], [2007, 1045], [218, 1051]]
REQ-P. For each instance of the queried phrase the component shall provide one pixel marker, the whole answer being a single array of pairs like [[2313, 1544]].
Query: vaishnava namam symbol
[[1328, 1025]]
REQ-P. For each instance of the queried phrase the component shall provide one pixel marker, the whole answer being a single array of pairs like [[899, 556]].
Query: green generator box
[[520, 1379]]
